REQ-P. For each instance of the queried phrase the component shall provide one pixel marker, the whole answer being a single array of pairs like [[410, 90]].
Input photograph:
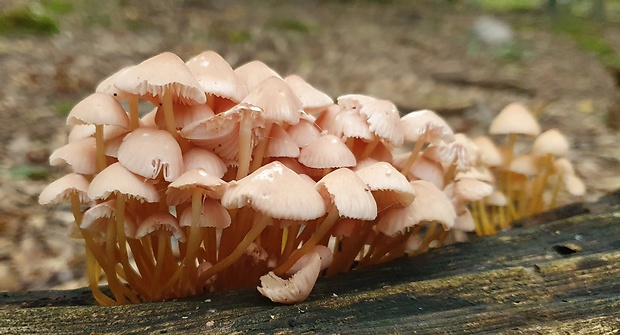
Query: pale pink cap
[[181, 189], [117, 179], [277, 192], [253, 73], [422, 168], [489, 153], [196, 158], [574, 185], [327, 151], [382, 116], [160, 221], [304, 132], [383, 177], [80, 155], [147, 152], [525, 164], [278, 102], [428, 124], [311, 98], [165, 73], [212, 214], [216, 77], [98, 109], [429, 205], [514, 119], [348, 192], [62, 188], [107, 86], [281, 144], [465, 221], [324, 253], [350, 123], [297, 288], [551, 142], [97, 218]]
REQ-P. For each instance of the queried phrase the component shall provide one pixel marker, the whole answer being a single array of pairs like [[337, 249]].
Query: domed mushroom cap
[[350, 124], [277, 100], [62, 189], [310, 97], [281, 144], [426, 123], [422, 168], [326, 151], [107, 86], [160, 221], [551, 142], [276, 191], [98, 109], [429, 205], [381, 115], [165, 73], [462, 152], [117, 179], [383, 177], [304, 132], [349, 194], [212, 214], [465, 221], [181, 189], [563, 166], [216, 77], [489, 153], [147, 152], [96, 219], [295, 289], [80, 155], [253, 73], [514, 119], [199, 158], [524, 164], [324, 253]]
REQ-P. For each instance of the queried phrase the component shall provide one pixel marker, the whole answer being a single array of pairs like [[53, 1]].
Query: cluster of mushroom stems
[[239, 177]]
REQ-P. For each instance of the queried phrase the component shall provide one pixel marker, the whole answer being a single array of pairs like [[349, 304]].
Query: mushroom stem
[[93, 281], [556, 190], [100, 148], [245, 145], [134, 117], [291, 236], [166, 101], [261, 148], [193, 240], [257, 228], [413, 155], [321, 230], [536, 201]]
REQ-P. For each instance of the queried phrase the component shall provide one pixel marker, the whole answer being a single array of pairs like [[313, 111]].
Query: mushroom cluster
[[241, 177]]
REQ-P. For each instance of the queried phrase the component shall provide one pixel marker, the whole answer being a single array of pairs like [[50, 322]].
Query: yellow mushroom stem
[[100, 148], [134, 117], [166, 101], [291, 237], [257, 228], [261, 148], [194, 238], [414, 154], [93, 281], [370, 147], [536, 203], [556, 190], [245, 145], [321, 231]]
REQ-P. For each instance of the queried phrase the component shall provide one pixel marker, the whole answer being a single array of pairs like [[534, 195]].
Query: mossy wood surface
[[559, 277]]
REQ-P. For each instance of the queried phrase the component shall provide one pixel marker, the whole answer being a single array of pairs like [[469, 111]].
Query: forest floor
[[419, 54]]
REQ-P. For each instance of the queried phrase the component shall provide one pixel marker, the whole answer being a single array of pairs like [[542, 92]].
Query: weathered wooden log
[[559, 277]]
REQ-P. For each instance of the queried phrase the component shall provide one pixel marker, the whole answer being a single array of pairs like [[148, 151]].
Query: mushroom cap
[[281, 144], [181, 189], [426, 123], [295, 289], [468, 190], [465, 221], [199, 158], [107, 86], [98, 109], [462, 152], [430, 204], [551, 142], [574, 185], [165, 73], [489, 153], [324, 253], [350, 123], [496, 198], [277, 100], [63, 187], [310, 97], [524, 164], [348, 192], [381, 115], [253, 73], [147, 152], [514, 119], [98, 217], [80, 155], [160, 221], [277, 192], [304, 132], [117, 179], [422, 168], [326, 151], [212, 214], [563, 166], [384, 178], [216, 77]]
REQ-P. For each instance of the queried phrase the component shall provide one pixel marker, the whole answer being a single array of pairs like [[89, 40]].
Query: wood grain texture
[[562, 277]]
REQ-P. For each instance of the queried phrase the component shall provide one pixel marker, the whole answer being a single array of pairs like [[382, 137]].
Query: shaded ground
[[420, 55]]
